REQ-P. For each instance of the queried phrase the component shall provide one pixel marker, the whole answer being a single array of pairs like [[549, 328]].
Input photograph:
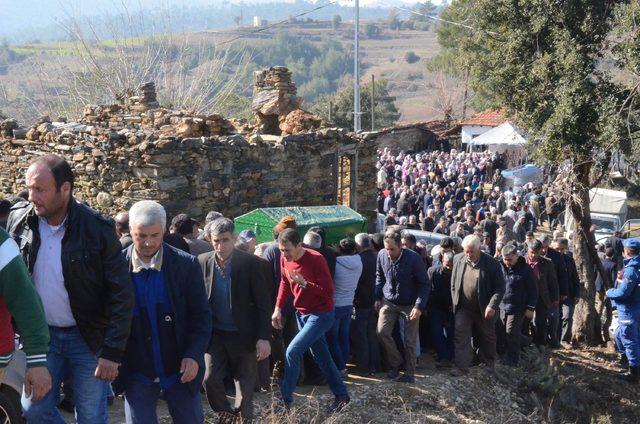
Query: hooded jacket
[[345, 282]]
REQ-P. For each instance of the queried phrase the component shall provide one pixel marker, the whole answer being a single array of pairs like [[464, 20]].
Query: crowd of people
[[137, 306]]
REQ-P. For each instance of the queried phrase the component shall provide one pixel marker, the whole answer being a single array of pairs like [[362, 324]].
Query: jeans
[[141, 400], [311, 335], [338, 336], [442, 329], [365, 343], [68, 352]]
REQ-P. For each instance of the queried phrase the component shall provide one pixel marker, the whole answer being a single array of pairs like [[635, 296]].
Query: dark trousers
[[365, 343], [553, 319], [510, 336], [485, 329], [567, 320], [442, 325], [540, 324], [227, 356], [141, 401], [279, 342]]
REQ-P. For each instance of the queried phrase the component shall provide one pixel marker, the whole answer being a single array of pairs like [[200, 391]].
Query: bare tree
[[109, 58]]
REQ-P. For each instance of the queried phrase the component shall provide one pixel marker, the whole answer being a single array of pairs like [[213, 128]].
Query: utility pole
[[373, 102], [356, 73]]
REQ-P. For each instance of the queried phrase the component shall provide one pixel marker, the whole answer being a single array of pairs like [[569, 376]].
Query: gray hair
[[221, 226], [363, 241], [471, 240], [146, 213], [313, 240], [544, 238]]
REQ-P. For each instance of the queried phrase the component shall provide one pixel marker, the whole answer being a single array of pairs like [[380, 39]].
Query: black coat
[[250, 303], [561, 270], [521, 288], [95, 273], [365, 291], [189, 310], [440, 296]]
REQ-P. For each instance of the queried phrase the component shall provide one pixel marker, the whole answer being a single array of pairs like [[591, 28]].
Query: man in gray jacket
[[477, 287]]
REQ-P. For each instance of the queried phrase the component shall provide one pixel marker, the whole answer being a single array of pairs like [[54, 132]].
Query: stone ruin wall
[[190, 163]]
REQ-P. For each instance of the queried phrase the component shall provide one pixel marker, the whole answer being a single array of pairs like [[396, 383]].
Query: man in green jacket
[[18, 299]]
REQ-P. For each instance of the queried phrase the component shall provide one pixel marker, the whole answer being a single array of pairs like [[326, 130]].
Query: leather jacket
[[95, 272]]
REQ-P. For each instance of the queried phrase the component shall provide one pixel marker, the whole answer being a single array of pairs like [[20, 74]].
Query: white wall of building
[[471, 131]]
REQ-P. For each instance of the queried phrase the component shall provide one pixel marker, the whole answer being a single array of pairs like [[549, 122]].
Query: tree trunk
[[585, 328], [465, 96]]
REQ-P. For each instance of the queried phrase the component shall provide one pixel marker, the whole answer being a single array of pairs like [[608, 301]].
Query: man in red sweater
[[305, 275]]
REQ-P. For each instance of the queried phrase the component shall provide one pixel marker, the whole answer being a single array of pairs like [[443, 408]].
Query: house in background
[[480, 124]]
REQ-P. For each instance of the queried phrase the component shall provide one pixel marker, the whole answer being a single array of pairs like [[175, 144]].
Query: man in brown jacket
[[477, 287], [548, 292]]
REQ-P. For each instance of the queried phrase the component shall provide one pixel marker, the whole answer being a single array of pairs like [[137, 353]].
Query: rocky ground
[[563, 386]]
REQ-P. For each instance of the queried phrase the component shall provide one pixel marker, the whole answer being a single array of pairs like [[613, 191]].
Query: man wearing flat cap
[[626, 298]]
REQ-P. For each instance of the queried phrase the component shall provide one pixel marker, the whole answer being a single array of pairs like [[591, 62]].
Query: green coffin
[[338, 221]]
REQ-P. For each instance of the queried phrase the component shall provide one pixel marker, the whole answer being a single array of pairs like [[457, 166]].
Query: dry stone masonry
[[137, 150]]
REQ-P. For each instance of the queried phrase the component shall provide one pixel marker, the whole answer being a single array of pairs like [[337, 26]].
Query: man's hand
[[263, 349], [377, 305], [489, 312], [415, 314], [276, 319], [106, 370], [37, 382], [188, 369], [528, 314]]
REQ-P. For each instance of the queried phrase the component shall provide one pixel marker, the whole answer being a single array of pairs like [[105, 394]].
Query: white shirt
[[48, 278]]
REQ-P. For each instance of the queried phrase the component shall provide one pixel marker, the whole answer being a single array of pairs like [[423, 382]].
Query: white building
[[259, 22], [480, 124]]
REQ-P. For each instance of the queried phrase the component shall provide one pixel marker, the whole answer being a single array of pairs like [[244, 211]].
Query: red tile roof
[[487, 118]]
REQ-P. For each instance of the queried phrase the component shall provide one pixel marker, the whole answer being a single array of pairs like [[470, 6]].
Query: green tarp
[[338, 221]]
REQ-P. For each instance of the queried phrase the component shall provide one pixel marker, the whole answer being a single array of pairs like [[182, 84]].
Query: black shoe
[[67, 405], [632, 375], [623, 362], [444, 364], [338, 404], [406, 379], [393, 373]]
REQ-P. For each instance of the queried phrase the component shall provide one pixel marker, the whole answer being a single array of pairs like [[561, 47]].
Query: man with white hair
[[171, 324], [477, 287]]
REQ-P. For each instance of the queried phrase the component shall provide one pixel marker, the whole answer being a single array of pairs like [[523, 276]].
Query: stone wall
[[189, 163]]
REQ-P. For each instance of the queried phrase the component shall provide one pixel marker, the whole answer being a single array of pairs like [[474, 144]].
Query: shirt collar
[[53, 229], [155, 263]]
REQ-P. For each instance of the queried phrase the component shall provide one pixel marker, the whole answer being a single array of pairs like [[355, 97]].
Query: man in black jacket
[[78, 268], [573, 291], [365, 344], [477, 287], [563, 286], [171, 325], [240, 302], [441, 308], [518, 302]]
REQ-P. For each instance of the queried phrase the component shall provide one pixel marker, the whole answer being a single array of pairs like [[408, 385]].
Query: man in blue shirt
[[402, 290], [626, 298], [170, 328]]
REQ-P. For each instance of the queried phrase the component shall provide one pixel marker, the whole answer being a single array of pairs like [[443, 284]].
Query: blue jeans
[[141, 400], [338, 336], [311, 336], [68, 352], [441, 325]]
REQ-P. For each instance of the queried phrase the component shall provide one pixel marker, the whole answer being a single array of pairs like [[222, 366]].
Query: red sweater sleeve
[[284, 291], [322, 284]]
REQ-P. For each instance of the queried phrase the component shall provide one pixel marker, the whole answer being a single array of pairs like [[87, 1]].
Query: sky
[[19, 17]]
